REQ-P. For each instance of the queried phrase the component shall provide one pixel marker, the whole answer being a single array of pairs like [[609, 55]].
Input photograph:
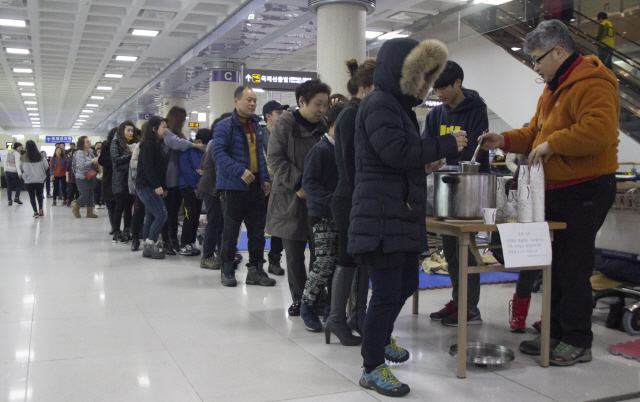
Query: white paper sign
[[525, 244]]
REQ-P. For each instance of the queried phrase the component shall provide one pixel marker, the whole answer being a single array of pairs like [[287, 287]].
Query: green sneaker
[[395, 353], [534, 346], [567, 355], [383, 382]]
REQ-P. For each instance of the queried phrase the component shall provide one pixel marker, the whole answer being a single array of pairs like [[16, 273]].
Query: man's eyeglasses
[[537, 61]]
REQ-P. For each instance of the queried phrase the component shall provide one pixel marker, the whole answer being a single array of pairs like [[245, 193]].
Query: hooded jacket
[[579, 120], [320, 178], [471, 116], [107, 171], [290, 142], [389, 201], [120, 158], [188, 164]]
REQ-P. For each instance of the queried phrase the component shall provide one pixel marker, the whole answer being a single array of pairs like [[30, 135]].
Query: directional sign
[[57, 139], [196, 125], [277, 80], [225, 76]]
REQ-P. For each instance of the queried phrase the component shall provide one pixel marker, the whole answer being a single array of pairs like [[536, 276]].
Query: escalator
[[506, 26]]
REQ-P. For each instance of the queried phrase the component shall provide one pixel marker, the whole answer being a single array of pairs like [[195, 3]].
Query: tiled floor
[[82, 319]]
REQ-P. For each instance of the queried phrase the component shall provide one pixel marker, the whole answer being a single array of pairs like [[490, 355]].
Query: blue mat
[[243, 243], [443, 281]]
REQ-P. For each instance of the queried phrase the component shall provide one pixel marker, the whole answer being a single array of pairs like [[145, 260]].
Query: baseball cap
[[273, 105]]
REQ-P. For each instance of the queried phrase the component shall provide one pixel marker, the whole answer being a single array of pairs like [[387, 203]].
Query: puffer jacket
[[389, 200], [120, 157], [290, 142], [107, 171], [230, 152]]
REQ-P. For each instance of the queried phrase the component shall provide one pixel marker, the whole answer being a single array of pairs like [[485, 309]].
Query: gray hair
[[548, 35]]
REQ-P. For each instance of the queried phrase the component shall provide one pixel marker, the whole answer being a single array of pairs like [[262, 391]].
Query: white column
[[341, 36], [222, 85], [143, 114], [171, 99]]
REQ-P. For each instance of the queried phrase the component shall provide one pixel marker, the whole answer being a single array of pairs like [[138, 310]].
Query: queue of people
[[346, 177]]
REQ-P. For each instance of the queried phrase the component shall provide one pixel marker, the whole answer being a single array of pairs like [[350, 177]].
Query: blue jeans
[[13, 183], [213, 230], [155, 213]]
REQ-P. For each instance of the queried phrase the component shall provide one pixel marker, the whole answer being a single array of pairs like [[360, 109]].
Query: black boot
[[336, 323], [359, 293], [228, 274], [168, 248], [274, 267], [135, 244], [257, 276], [294, 308]]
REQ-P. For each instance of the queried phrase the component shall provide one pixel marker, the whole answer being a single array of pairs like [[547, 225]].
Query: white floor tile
[[13, 382], [16, 307], [150, 377], [87, 303], [14, 342]]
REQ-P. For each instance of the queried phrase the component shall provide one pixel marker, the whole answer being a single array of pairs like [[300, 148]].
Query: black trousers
[[172, 203], [47, 183], [35, 193], [59, 187], [275, 253], [247, 206], [192, 207], [583, 207], [72, 192], [394, 278], [137, 220], [450, 248], [124, 207], [111, 209], [215, 223], [97, 193]]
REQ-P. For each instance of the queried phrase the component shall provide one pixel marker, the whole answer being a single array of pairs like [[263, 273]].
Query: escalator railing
[[507, 27]]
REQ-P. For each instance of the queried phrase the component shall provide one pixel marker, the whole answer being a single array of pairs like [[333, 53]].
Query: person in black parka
[[388, 231], [104, 160]]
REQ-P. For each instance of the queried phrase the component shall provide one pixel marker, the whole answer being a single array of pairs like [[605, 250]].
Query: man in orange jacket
[[574, 132]]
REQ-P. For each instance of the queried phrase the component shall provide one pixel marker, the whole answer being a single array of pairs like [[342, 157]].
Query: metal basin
[[485, 353], [463, 195]]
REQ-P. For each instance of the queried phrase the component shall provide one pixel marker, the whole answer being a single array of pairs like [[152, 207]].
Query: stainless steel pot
[[463, 195]]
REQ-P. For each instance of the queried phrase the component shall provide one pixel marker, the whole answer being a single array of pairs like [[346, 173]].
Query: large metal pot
[[463, 195]]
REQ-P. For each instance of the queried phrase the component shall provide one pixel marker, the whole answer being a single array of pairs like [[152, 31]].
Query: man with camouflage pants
[[319, 181]]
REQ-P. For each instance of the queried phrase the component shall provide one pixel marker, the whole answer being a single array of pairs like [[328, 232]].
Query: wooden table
[[466, 233]]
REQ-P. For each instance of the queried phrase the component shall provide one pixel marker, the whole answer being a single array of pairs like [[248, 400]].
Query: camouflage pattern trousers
[[325, 238]]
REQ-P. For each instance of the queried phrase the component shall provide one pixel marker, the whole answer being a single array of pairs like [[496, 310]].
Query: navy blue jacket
[[471, 116], [230, 152], [389, 201], [188, 164], [320, 178]]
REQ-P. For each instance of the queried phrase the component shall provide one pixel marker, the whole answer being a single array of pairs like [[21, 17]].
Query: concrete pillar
[[222, 85], [171, 99], [143, 114], [341, 36]]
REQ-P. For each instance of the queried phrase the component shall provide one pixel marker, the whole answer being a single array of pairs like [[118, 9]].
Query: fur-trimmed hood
[[407, 68]]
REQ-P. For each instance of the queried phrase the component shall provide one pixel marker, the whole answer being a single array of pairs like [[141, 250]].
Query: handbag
[[90, 174]]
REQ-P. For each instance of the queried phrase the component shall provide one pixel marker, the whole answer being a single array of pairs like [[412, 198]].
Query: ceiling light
[[144, 32], [81, 120], [87, 111], [22, 70], [113, 75], [30, 102], [208, 107], [193, 112], [516, 48], [392, 35], [104, 88], [373, 34], [30, 94], [491, 2], [34, 114], [91, 105], [15, 50], [97, 97], [84, 116], [32, 108], [257, 89], [26, 84], [126, 58], [34, 118], [13, 23]]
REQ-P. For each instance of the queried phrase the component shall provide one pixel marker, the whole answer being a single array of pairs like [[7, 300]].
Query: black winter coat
[[320, 178], [120, 158], [107, 172], [389, 201]]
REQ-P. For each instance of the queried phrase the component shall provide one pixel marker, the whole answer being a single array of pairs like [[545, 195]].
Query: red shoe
[[68, 203], [448, 309], [518, 310], [537, 326], [41, 213]]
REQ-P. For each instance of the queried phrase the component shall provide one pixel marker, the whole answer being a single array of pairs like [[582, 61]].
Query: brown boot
[[90, 213], [76, 211]]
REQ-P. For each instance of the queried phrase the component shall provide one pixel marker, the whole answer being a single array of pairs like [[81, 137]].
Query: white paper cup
[[489, 215]]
